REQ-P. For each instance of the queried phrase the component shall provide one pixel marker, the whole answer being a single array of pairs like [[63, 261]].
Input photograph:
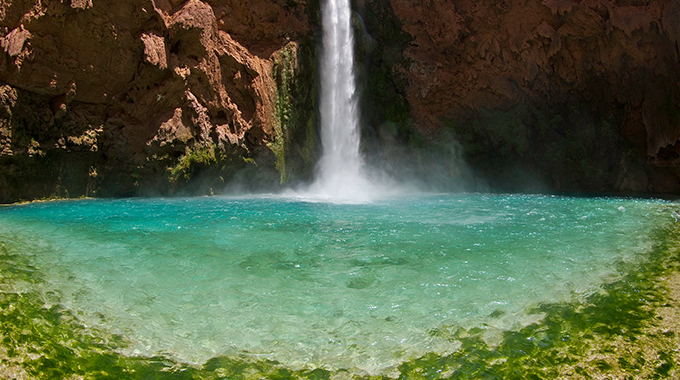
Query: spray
[[341, 174]]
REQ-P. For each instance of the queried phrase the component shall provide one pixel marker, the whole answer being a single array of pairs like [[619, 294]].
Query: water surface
[[325, 285]]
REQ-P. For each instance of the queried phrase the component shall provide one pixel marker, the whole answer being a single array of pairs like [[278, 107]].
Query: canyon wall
[[137, 97], [156, 97], [547, 95]]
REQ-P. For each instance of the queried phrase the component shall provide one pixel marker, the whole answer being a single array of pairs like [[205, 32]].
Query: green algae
[[614, 332], [619, 331]]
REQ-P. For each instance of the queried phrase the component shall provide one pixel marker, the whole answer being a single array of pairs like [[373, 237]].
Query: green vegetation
[[193, 160], [294, 143], [205, 169], [611, 333], [622, 331], [284, 66]]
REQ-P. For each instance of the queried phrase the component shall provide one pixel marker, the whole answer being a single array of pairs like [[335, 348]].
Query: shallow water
[[320, 284]]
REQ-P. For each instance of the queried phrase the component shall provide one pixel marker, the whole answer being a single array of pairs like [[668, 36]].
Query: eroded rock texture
[[579, 95], [103, 97], [117, 97]]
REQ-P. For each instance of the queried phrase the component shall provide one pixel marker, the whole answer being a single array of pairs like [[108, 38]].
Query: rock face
[[129, 97], [563, 95], [125, 97]]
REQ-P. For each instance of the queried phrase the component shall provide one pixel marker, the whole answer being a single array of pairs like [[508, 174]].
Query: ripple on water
[[330, 285]]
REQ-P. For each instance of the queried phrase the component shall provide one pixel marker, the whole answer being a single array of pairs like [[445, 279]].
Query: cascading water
[[340, 172], [428, 286]]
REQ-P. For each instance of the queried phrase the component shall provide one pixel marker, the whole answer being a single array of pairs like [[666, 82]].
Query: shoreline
[[602, 359], [673, 198], [593, 336]]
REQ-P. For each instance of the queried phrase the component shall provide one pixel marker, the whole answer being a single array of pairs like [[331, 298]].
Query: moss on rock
[[295, 141]]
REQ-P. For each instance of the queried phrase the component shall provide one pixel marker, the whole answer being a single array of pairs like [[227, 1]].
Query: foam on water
[[330, 285]]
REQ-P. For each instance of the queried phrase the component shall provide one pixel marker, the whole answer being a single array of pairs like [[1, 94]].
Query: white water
[[341, 175]]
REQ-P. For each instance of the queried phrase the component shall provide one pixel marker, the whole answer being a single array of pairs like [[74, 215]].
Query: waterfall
[[340, 171]]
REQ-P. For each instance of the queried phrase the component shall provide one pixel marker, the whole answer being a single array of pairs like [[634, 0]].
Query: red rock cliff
[[513, 79], [108, 97], [115, 97]]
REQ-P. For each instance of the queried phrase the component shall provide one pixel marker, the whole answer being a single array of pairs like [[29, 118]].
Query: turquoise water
[[310, 284]]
